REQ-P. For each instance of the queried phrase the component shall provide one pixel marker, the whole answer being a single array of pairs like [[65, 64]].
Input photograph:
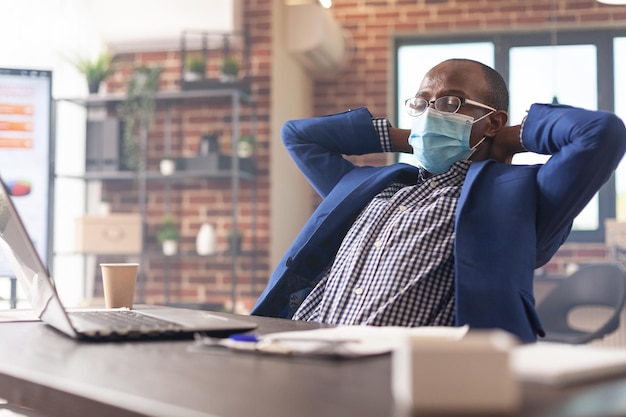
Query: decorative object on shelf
[[235, 239], [102, 144], [230, 69], [208, 158], [206, 240], [209, 144], [167, 166], [137, 111], [246, 146], [195, 67], [95, 71], [168, 235]]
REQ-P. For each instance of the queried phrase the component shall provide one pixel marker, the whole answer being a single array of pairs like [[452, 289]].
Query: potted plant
[[95, 71], [246, 146], [136, 112], [230, 69], [195, 67], [168, 235]]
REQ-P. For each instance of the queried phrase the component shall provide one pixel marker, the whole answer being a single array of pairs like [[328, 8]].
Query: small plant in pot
[[136, 112], [194, 67], [168, 235], [95, 71], [230, 69], [246, 146]]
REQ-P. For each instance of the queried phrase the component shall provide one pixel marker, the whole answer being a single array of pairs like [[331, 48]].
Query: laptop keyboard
[[120, 321]]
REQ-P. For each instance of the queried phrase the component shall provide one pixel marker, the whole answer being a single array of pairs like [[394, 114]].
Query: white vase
[[206, 240], [167, 166]]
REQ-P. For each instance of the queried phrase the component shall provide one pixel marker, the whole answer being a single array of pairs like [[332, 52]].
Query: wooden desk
[[57, 376]]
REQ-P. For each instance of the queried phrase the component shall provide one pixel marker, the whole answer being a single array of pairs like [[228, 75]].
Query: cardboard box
[[470, 376], [110, 234]]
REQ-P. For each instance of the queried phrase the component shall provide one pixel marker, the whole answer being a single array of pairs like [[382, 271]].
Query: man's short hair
[[497, 91]]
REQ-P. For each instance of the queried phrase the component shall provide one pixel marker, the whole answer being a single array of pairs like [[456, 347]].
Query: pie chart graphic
[[18, 188]]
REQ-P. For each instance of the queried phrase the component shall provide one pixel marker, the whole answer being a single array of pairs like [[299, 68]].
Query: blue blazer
[[510, 219]]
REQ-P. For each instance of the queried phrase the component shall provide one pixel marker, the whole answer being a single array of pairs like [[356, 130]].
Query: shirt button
[[378, 244], [358, 290], [402, 208], [432, 184]]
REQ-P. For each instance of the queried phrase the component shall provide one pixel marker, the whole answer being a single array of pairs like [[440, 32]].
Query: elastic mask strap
[[483, 116], [475, 147], [482, 140]]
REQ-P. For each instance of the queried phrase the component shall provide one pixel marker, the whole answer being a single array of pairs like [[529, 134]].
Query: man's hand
[[506, 143]]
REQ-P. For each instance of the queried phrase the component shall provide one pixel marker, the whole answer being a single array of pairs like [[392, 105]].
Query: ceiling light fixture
[[612, 2], [327, 4]]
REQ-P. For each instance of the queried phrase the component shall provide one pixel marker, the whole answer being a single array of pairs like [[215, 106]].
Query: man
[[455, 242]]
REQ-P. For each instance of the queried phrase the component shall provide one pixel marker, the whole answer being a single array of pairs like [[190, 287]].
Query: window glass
[[619, 52], [414, 61], [544, 73]]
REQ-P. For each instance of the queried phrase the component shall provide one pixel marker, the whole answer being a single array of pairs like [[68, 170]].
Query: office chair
[[591, 286]]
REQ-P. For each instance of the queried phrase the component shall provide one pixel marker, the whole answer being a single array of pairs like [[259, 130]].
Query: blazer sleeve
[[318, 145], [586, 147]]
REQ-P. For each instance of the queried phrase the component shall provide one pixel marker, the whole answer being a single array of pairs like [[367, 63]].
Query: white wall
[[292, 92], [138, 25]]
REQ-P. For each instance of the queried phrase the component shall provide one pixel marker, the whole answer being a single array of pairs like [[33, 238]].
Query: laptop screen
[[20, 251]]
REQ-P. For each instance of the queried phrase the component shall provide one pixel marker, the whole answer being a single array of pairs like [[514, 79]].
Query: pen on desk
[[245, 337], [256, 338]]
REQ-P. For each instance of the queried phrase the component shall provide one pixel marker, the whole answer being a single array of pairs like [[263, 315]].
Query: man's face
[[460, 79]]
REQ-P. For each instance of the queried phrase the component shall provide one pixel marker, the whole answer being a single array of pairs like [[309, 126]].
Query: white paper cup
[[119, 281]]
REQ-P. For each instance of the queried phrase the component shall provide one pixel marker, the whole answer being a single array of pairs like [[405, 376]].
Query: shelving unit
[[103, 106]]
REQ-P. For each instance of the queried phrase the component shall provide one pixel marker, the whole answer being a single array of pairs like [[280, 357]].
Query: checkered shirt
[[395, 266]]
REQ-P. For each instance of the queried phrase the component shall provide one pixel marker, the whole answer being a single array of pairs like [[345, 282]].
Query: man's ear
[[495, 122]]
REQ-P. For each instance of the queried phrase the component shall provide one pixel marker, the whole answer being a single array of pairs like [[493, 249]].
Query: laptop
[[151, 322]]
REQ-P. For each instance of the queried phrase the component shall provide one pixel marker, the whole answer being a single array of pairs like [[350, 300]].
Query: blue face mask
[[440, 139]]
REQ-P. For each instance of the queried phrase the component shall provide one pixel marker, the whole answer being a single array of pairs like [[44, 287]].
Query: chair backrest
[[592, 285]]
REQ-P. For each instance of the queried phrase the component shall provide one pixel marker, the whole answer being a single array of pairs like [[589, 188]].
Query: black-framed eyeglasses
[[416, 106]]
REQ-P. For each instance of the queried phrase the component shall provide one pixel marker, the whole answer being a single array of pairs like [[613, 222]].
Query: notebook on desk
[[109, 324]]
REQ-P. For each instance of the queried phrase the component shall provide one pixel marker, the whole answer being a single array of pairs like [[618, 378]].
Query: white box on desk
[[110, 234], [471, 375]]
